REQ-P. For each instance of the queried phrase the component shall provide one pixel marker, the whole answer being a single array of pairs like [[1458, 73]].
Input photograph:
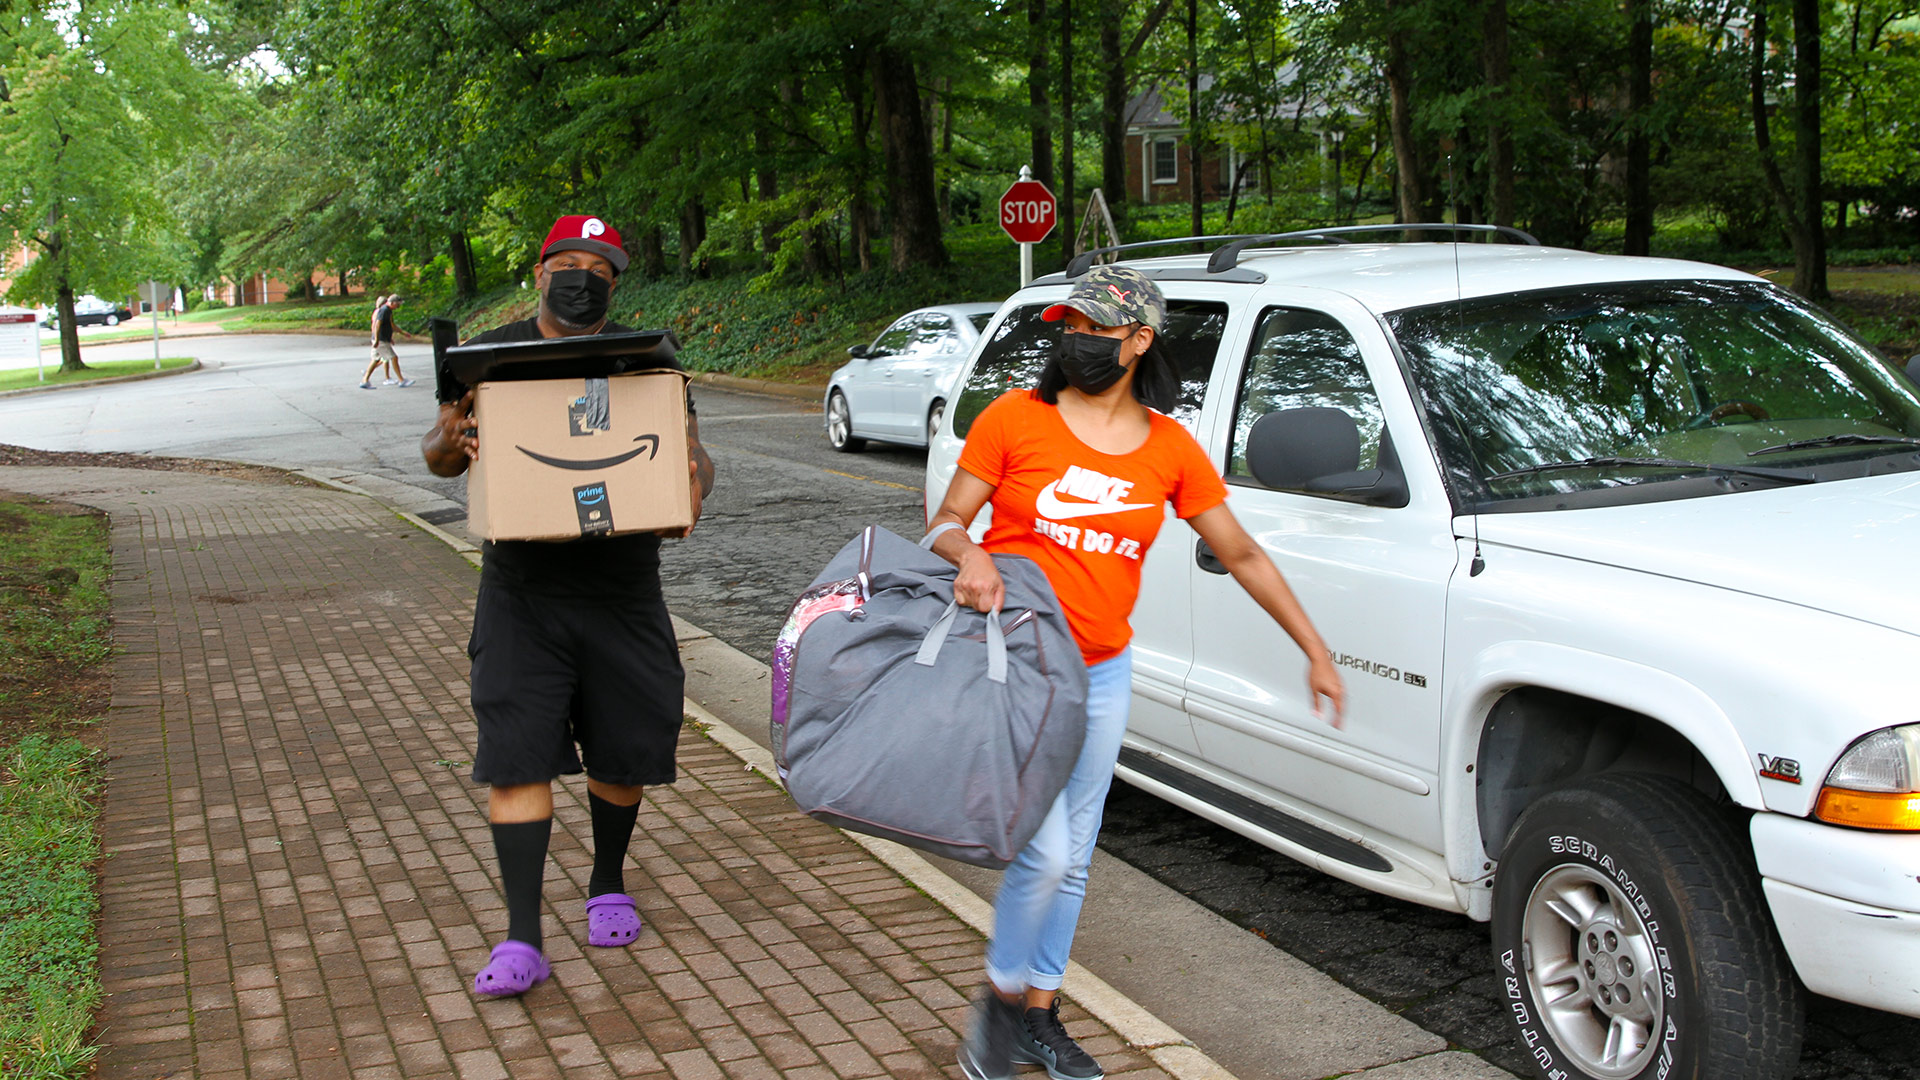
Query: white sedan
[[897, 388]]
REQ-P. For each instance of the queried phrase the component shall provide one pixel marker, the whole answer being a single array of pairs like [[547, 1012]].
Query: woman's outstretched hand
[[1323, 681]]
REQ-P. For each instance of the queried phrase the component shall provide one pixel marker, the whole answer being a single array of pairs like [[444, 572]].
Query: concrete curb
[[1173, 1052], [762, 386], [108, 381]]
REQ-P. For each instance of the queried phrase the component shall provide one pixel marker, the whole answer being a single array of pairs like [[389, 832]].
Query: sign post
[[153, 306], [1027, 214]]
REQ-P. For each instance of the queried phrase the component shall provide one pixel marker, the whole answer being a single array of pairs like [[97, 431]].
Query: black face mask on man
[[577, 298], [1091, 362]]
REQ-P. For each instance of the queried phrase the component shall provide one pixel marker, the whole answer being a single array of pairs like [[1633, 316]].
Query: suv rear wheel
[[1631, 936]]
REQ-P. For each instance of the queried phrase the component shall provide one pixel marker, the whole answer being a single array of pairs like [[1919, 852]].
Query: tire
[[935, 417], [840, 425], [1631, 902], [113, 320]]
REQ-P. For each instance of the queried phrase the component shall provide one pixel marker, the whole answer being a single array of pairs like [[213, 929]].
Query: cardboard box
[[566, 458]]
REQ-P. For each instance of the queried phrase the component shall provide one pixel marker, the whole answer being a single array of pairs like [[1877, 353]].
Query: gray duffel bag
[[900, 714]]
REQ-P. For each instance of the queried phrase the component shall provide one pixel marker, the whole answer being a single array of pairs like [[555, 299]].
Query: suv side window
[[1014, 357], [1301, 358]]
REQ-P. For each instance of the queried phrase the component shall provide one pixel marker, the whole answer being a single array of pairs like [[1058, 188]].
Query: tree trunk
[[859, 211], [766, 188], [1639, 238], [1198, 223], [909, 163], [1066, 133], [1113, 107], [653, 254], [943, 182], [1041, 115], [1410, 195], [465, 286], [1809, 259], [693, 232], [1498, 70], [1763, 137], [69, 333]]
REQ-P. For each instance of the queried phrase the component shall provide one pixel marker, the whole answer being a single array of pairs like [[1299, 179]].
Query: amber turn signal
[[1892, 811]]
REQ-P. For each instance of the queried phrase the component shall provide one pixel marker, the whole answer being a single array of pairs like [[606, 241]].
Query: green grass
[[24, 378], [54, 631]]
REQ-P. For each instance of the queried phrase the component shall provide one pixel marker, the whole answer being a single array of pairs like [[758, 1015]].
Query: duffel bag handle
[[937, 636]]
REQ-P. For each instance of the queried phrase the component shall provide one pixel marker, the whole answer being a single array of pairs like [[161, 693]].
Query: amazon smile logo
[[1092, 492], [652, 450]]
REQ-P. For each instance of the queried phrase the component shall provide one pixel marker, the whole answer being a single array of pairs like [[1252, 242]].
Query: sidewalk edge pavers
[[1171, 1051], [108, 381]]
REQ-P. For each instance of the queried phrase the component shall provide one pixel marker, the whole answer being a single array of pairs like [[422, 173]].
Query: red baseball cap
[[584, 232]]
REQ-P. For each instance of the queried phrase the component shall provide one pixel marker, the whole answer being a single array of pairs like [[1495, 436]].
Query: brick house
[[1156, 145]]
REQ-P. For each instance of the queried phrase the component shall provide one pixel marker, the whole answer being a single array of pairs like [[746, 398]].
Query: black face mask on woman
[[577, 298], [1091, 362]]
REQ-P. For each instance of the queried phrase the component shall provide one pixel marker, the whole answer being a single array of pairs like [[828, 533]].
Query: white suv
[[1619, 559]]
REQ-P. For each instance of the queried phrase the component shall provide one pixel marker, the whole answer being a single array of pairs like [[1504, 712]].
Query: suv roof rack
[[1227, 256], [1084, 261]]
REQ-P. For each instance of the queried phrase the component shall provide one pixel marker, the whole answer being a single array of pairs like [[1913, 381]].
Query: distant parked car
[[897, 388], [93, 311]]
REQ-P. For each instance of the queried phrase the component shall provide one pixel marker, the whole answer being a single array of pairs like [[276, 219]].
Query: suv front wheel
[[1632, 941]]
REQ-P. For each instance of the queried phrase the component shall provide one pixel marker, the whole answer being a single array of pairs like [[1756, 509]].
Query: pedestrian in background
[[571, 644], [1079, 471], [383, 346]]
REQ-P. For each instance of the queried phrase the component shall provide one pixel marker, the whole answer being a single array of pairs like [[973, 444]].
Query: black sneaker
[[997, 1030], [1044, 1041]]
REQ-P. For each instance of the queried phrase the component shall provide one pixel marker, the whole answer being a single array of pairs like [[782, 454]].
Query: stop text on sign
[[1029, 212]]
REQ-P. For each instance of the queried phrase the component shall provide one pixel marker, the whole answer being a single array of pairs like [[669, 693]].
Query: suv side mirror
[[858, 352], [1317, 450]]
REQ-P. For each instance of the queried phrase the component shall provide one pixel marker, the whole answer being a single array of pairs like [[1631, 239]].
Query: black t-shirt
[[383, 325], [612, 567]]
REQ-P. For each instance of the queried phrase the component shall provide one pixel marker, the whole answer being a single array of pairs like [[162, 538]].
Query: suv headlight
[[1876, 783]]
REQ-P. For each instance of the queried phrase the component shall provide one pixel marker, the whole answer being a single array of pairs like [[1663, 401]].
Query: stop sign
[[1027, 211]]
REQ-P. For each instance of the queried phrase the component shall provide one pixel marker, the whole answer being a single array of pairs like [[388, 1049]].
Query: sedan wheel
[[113, 320], [935, 417], [840, 425]]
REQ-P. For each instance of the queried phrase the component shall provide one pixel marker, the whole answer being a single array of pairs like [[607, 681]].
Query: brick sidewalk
[[299, 878]]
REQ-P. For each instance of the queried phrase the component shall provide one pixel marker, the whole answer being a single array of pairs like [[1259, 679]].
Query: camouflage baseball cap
[[1114, 296]]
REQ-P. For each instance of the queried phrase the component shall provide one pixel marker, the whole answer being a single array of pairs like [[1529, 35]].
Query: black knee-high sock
[[522, 850], [612, 832]]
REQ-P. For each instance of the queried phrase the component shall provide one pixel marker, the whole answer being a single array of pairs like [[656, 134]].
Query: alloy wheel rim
[[838, 425], [938, 414], [1591, 966]]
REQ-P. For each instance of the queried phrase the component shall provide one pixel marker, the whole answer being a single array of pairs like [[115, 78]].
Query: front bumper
[[1846, 903]]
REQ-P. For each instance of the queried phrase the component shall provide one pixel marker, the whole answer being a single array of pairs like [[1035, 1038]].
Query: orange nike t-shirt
[[1086, 517]]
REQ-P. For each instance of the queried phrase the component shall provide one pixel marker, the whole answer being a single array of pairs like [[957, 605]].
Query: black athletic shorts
[[549, 673]]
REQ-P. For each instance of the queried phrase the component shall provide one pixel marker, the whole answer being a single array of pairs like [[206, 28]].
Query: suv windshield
[[1668, 388]]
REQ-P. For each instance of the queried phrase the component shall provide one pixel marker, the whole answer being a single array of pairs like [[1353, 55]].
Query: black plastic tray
[[590, 356]]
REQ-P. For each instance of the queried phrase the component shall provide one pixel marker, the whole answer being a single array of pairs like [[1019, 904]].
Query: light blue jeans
[[1038, 906]]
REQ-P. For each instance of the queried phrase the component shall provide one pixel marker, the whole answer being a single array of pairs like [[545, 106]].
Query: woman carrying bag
[[1077, 471]]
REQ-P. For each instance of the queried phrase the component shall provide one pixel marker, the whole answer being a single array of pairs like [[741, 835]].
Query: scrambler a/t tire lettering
[[1632, 941]]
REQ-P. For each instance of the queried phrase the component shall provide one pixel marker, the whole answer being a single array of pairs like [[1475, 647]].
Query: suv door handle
[[1208, 561]]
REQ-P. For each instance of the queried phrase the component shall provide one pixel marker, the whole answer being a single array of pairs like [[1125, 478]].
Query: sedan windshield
[[1604, 387]]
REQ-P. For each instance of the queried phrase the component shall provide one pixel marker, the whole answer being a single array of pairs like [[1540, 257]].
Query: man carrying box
[[571, 644]]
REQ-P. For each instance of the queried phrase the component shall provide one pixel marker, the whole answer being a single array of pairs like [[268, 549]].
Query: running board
[[1309, 836]]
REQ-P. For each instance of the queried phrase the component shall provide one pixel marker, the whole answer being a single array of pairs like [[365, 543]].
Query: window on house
[[1166, 161]]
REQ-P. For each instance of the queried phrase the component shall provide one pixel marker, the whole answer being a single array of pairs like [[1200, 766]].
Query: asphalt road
[[785, 503]]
